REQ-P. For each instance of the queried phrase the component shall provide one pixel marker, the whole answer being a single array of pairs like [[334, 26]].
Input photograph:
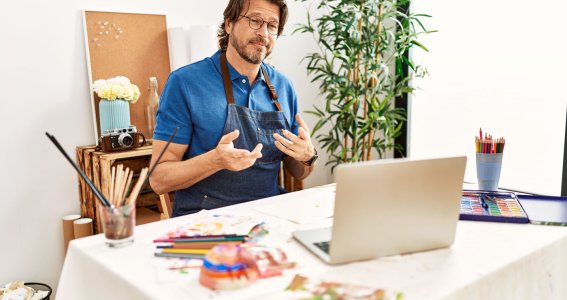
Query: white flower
[[119, 80], [118, 87]]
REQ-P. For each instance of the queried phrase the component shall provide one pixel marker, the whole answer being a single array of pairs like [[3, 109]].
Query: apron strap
[[226, 79], [228, 84], [272, 90]]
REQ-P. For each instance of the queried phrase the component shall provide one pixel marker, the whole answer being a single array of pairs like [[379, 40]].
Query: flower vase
[[113, 114]]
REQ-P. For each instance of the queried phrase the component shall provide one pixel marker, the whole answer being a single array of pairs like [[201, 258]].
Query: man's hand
[[297, 146], [230, 158]]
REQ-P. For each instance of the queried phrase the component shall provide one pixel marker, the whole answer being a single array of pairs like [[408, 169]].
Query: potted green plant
[[363, 51]]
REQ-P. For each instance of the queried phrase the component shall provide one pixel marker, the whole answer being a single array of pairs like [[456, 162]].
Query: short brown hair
[[232, 13]]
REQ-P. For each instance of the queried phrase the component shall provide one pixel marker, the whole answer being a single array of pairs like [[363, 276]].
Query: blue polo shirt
[[194, 100]]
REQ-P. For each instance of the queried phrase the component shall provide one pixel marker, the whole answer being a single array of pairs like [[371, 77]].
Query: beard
[[251, 53]]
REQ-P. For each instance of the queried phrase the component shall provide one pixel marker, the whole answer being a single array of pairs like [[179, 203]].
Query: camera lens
[[125, 140]]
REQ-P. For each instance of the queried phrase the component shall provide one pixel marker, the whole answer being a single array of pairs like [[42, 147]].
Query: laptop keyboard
[[323, 246]]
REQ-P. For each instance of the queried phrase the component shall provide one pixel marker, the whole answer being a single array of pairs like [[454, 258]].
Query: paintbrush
[[91, 185], [136, 190], [161, 154], [145, 175], [126, 187], [145, 180]]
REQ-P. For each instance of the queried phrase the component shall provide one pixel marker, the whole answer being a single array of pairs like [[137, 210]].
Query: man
[[237, 118]]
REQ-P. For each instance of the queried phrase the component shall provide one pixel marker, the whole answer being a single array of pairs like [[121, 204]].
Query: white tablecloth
[[487, 261]]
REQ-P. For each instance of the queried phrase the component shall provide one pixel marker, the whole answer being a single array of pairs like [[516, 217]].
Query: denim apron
[[258, 181]]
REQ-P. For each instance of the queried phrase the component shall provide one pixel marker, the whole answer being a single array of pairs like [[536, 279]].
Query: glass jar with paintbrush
[[119, 219], [118, 224]]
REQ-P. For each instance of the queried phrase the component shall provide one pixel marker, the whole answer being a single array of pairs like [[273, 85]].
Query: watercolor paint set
[[492, 206]]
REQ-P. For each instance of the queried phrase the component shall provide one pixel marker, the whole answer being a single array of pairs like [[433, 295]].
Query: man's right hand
[[227, 157]]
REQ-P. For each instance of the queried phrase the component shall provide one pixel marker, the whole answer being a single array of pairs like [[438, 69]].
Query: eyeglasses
[[257, 23]]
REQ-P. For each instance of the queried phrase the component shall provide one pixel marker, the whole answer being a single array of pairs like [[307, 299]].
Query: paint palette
[[492, 206]]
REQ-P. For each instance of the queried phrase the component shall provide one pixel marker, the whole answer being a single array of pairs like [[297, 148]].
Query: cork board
[[131, 45]]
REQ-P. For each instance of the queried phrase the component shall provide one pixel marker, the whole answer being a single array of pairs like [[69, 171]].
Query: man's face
[[254, 45]]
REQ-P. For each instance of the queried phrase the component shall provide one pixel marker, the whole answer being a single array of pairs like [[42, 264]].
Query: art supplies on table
[[492, 206], [487, 144], [195, 239], [226, 248], [196, 246], [205, 224], [489, 153], [545, 210], [303, 287], [235, 266]]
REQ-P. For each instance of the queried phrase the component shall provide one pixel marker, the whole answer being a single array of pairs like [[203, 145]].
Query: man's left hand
[[297, 146]]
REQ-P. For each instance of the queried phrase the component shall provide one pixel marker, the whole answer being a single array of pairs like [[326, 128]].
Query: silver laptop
[[388, 207]]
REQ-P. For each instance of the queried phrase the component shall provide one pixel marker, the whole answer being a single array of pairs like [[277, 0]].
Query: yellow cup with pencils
[[489, 154]]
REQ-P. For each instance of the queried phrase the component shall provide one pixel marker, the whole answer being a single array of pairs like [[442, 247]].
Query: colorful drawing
[[309, 289], [213, 225]]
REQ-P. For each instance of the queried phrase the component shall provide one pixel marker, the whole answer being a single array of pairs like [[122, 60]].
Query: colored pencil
[[489, 145], [179, 255], [203, 245], [181, 240], [202, 238], [186, 251]]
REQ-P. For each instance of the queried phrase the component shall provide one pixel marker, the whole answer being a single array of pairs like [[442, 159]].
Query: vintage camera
[[121, 139]]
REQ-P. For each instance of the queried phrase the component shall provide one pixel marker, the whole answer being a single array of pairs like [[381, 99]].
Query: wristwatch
[[312, 160]]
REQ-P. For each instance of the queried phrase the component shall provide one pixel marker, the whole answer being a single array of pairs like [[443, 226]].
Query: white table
[[487, 261]]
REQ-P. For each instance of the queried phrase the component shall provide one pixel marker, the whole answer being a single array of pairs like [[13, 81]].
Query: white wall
[[499, 65], [44, 84]]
